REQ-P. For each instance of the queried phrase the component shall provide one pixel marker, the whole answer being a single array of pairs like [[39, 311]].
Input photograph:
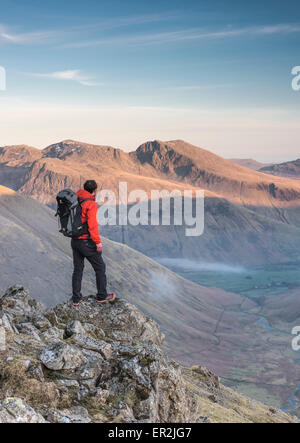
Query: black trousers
[[87, 249]]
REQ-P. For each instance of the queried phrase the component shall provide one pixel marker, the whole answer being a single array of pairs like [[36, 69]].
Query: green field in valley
[[252, 282]]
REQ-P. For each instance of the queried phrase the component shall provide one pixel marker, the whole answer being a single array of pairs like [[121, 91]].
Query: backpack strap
[[86, 200]]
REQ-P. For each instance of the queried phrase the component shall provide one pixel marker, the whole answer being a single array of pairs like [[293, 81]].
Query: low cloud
[[162, 286], [7, 35], [189, 265], [74, 75]]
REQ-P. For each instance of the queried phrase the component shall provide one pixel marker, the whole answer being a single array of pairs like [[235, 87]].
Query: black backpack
[[69, 212]]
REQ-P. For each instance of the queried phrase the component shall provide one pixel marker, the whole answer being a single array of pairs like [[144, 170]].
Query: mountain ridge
[[289, 169], [245, 210], [175, 161], [249, 163]]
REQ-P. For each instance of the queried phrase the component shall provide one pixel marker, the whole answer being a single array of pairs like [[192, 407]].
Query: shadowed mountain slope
[[15, 162], [287, 169], [202, 325], [248, 163], [32, 250]]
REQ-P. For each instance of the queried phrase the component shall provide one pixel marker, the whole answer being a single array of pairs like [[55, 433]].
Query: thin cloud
[[189, 35], [202, 87], [7, 35], [118, 22], [69, 75], [39, 37]]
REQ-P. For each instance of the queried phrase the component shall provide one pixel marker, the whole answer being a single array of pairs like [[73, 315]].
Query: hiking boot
[[77, 303], [110, 297]]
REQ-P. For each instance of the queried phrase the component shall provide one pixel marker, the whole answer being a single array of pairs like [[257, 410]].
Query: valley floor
[[263, 365]]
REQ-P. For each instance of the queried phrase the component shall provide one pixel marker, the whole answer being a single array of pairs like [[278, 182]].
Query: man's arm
[[93, 223]]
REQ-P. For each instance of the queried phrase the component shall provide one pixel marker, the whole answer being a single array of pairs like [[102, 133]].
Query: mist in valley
[[162, 286], [201, 266]]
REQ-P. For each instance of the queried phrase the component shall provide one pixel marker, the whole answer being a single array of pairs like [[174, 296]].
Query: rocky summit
[[103, 363]]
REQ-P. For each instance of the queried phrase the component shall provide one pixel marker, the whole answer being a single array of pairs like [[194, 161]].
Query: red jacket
[[89, 214]]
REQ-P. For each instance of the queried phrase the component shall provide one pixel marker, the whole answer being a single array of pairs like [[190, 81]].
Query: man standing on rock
[[89, 246]]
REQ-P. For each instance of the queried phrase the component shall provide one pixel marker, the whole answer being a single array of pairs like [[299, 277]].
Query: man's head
[[90, 186]]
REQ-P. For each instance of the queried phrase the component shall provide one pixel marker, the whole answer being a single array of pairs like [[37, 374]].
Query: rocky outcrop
[[15, 410], [103, 363], [91, 363], [2, 338]]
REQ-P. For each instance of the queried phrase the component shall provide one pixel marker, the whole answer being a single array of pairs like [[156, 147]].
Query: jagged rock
[[91, 370], [123, 318], [41, 322], [7, 322], [207, 375], [101, 396], [83, 394], [88, 384], [74, 327], [58, 356], [15, 410], [88, 342], [5, 417], [2, 339], [100, 418], [76, 414], [17, 302], [91, 329], [141, 377], [51, 317], [68, 383], [29, 329], [53, 333], [89, 373], [124, 415], [36, 372]]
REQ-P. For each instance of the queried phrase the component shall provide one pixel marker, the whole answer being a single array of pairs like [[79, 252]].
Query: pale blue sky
[[120, 73]]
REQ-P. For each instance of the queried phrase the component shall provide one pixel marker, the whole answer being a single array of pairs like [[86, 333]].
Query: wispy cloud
[[10, 35], [118, 22], [202, 87], [39, 37], [189, 35], [74, 75]]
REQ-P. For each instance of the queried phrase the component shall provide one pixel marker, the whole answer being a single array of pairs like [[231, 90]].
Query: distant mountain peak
[[249, 163], [25, 153], [289, 169], [58, 149], [66, 148]]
